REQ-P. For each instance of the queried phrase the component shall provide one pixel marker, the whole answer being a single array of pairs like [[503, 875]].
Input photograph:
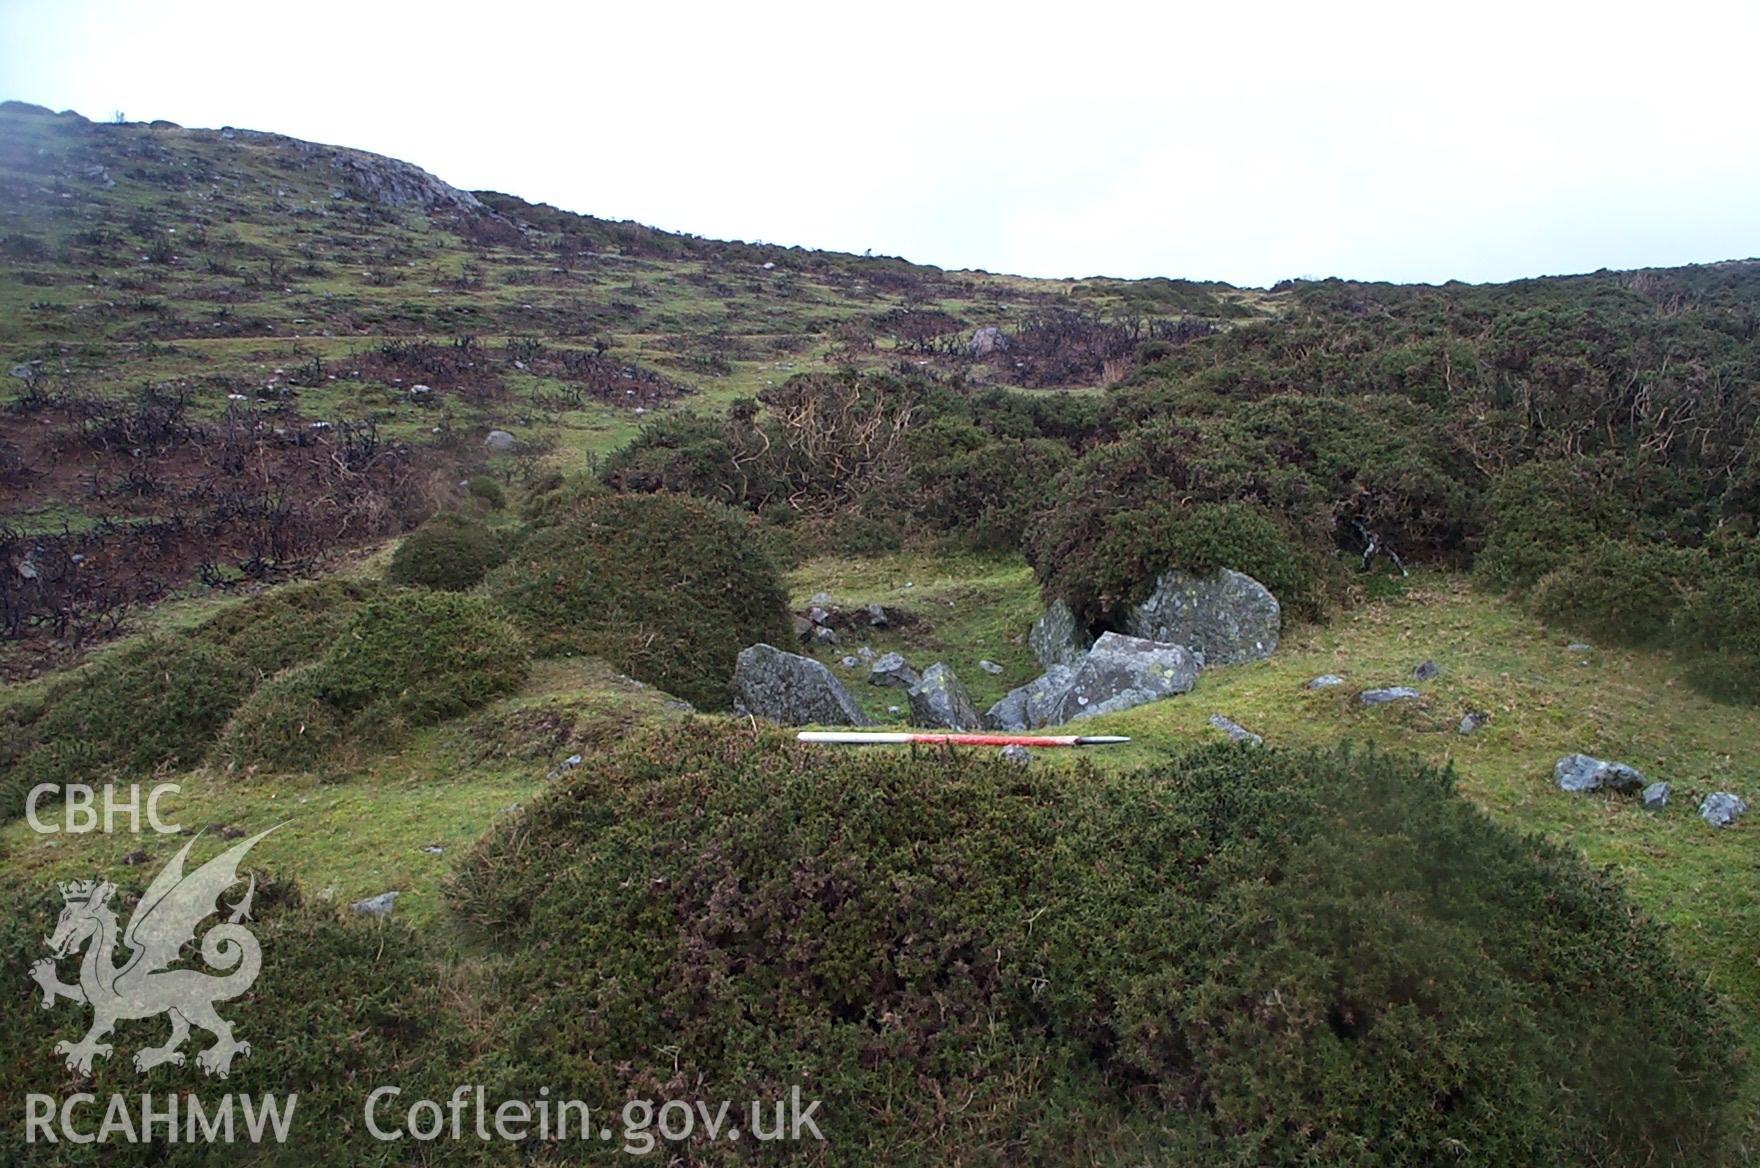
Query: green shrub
[[286, 626], [488, 490], [285, 724], [422, 656], [557, 498], [988, 493], [153, 703], [342, 1004], [1722, 622], [449, 551], [1231, 957], [1541, 515], [1626, 593], [667, 589]]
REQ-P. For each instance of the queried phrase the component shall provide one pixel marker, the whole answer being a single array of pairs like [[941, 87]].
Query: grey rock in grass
[[1656, 796], [989, 667], [376, 906], [986, 341], [820, 599], [850, 662], [894, 670], [1029, 706], [877, 617], [1056, 638], [1386, 694], [824, 636], [1122, 672], [1471, 721], [1235, 730], [1324, 681], [1017, 754], [803, 628], [792, 690], [500, 440], [1579, 646], [1427, 671], [940, 699], [1721, 808], [1224, 618], [1582, 772]]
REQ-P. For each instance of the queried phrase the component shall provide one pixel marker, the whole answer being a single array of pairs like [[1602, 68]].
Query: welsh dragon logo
[[144, 985]]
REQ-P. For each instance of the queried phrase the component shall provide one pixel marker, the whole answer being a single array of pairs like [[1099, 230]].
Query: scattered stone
[[1720, 808], [1029, 706], [1582, 772], [566, 765], [1471, 721], [940, 699], [877, 617], [803, 628], [1579, 646], [499, 440], [1656, 796], [1056, 639], [986, 341], [1120, 673], [792, 690], [1324, 681], [1235, 730], [377, 906], [434, 849], [825, 636], [1017, 754], [851, 662], [893, 710], [893, 669], [865, 653], [1427, 671], [226, 830], [136, 858], [20, 371], [820, 600], [989, 667], [1391, 693], [1225, 618]]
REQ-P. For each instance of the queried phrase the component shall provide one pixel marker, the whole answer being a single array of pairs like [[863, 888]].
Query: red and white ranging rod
[[859, 737]]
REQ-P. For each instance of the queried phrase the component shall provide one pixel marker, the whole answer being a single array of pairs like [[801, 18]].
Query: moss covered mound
[[1235, 957], [287, 626], [407, 659], [156, 702], [667, 589], [451, 552]]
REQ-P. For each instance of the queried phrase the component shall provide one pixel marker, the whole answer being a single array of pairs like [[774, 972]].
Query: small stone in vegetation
[[940, 699], [499, 440], [892, 669], [989, 667], [1471, 721], [1582, 772], [1392, 693], [1018, 754], [1324, 681], [1720, 808], [792, 689], [1427, 671], [1235, 730], [1656, 796], [377, 906]]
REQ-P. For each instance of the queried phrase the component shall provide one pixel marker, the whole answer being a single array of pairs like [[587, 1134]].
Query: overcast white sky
[[1407, 141]]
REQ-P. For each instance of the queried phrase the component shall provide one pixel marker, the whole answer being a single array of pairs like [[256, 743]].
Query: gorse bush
[[1324, 958], [1541, 515], [449, 552], [488, 491], [667, 589], [408, 659], [155, 702], [286, 626], [1629, 593]]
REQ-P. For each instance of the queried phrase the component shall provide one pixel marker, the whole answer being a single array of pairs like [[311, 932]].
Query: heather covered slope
[[550, 473]]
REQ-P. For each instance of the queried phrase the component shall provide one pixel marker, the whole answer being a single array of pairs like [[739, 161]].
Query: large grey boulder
[[940, 699], [1582, 772], [1056, 638], [1720, 808], [894, 670], [1029, 706], [986, 341], [1120, 673], [791, 689], [1225, 618]]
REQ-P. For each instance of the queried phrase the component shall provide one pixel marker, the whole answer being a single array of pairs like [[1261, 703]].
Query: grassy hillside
[[239, 362]]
